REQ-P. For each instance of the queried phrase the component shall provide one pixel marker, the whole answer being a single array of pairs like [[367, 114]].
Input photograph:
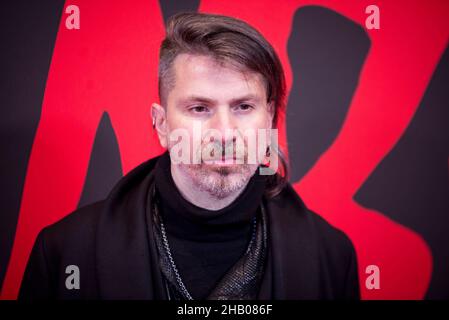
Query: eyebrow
[[195, 98]]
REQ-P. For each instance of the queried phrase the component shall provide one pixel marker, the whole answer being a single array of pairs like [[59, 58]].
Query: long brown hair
[[228, 41]]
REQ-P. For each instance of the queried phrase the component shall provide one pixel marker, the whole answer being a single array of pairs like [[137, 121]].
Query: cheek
[[258, 148], [174, 121], [260, 120], [183, 134]]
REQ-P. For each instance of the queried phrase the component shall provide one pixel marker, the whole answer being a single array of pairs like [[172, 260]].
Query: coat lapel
[[127, 265], [125, 255], [293, 251]]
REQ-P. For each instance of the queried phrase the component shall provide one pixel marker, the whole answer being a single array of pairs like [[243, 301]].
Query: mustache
[[220, 149]]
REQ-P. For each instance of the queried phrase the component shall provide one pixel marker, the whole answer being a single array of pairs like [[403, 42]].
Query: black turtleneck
[[205, 244]]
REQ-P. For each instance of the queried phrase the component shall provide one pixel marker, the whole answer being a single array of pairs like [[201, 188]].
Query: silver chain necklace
[[181, 285]]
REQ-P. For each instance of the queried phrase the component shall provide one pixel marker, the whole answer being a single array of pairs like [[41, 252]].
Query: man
[[201, 221]]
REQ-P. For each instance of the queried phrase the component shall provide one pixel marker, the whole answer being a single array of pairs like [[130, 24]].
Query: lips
[[226, 155], [224, 161]]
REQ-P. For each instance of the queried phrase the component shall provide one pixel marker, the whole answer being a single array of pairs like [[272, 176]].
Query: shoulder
[[70, 241], [76, 230], [80, 226], [291, 208], [309, 242]]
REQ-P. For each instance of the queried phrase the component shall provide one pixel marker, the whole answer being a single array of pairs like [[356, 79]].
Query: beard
[[219, 181]]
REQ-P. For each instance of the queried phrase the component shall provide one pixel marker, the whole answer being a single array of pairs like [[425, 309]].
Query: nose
[[223, 120]]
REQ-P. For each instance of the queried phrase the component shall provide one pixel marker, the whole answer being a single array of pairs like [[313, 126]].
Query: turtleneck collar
[[187, 221]]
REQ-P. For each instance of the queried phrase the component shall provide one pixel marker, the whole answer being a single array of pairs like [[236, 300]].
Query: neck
[[198, 197]]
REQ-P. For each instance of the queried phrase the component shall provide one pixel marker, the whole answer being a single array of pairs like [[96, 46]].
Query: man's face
[[214, 97]]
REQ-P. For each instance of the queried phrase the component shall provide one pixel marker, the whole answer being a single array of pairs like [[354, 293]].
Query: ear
[[270, 125], [271, 109], [159, 120]]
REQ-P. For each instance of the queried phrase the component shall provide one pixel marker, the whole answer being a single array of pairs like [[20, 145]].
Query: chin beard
[[219, 181]]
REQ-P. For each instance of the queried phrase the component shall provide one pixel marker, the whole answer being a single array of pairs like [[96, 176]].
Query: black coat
[[111, 244]]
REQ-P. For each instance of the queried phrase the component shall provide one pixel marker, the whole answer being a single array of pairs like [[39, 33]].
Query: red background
[[110, 65]]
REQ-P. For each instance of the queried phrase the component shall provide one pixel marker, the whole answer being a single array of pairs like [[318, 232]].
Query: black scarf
[[201, 250], [305, 257], [241, 282]]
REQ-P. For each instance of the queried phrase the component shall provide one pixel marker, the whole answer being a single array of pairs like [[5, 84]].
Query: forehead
[[202, 75]]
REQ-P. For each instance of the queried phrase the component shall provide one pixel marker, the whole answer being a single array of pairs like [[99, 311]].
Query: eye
[[244, 107], [198, 109]]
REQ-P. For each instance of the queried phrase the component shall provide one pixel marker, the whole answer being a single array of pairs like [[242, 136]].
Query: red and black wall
[[366, 127]]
